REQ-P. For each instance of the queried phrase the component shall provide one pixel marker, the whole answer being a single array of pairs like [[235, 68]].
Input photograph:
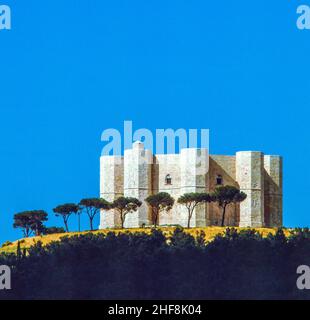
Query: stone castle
[[139, 174]]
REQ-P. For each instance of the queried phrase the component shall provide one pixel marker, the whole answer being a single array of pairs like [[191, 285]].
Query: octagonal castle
[[139, 174]]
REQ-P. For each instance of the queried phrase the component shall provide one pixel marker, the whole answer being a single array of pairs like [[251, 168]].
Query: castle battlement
[[139, 174]]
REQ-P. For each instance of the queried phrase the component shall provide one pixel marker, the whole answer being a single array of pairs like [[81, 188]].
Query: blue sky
[[70, 69]]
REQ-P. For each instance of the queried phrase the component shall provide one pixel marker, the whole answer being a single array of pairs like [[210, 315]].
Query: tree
[[30, 221], [37, 217], [65, 211], [191, 201], [123, 206], [92, 206], [22, 220], [78, 213], [225, 195], [159, 202]]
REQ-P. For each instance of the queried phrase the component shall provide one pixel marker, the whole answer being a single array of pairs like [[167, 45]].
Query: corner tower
[[194, 167], [250, 177], [111, 188], [138, 182]]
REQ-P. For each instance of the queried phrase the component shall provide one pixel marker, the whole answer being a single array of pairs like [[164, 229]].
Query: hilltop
[[210, 233]]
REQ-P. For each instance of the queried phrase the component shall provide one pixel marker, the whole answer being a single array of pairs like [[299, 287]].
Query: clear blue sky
[[70, 69]]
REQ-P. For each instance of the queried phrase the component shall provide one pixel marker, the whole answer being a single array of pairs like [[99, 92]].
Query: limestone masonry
[[139, 174]]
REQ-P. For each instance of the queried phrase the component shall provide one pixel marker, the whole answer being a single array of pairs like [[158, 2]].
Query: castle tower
[[194, 165], [273, 190], [111, 187], [138, 182], [250, 176]]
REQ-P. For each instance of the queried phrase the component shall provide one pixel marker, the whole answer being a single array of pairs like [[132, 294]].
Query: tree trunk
[[190, 214], [66, 225], [79, 220], [155, 220], [27, 232], [91, 223], [154, 217], [223, 217], [189, 220], [122, 221]]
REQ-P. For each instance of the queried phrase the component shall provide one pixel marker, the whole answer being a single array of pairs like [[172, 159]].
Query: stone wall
[[224, 166], [273, 190], [188, 172], [165, 164]]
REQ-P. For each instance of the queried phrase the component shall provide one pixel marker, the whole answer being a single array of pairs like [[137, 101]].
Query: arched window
[[219, 180], [168, 179]]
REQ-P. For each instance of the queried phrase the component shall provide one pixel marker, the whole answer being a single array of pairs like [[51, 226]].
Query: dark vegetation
[[237, 265]]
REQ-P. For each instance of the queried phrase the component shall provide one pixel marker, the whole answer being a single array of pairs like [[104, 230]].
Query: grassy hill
[[210, 233]]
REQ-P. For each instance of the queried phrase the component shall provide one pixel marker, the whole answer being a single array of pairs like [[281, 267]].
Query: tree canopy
[[159, 202], [92, 206], [125, 205], [30, 221], [225, 195], [65, 211], [192, 200]]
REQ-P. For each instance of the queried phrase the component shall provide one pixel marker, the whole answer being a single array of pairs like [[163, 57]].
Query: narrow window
[[219, 180], [168, 179]]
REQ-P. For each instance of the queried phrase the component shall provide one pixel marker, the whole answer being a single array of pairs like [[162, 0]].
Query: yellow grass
[[210, 233]]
